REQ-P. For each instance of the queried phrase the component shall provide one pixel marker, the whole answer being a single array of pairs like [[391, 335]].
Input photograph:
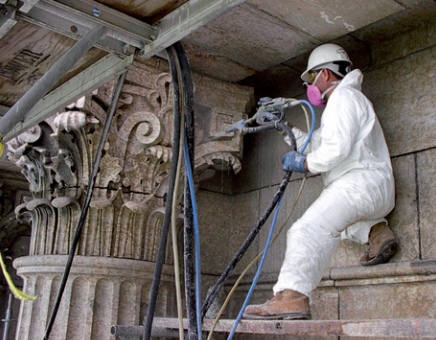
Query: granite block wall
[[400, 80]]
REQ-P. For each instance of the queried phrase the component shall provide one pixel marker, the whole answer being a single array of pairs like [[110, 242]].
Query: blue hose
[[196, 238], [312, 128], [256, 278], [270, 235]]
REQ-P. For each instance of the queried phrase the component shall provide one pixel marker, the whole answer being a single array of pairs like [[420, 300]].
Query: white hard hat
[[327, 56]]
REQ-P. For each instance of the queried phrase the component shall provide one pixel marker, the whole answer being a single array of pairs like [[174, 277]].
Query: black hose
[[255, 230], [168, 205], [95, 170], [182, 88], [189, 238], [189, 266]]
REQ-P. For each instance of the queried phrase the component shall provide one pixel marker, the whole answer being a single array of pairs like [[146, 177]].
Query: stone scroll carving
[[127, 208]]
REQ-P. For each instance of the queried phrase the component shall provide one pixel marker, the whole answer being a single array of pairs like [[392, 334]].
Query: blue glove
[[294, 162]]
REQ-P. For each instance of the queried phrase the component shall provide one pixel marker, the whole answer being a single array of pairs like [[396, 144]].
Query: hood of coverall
[[353, 79]]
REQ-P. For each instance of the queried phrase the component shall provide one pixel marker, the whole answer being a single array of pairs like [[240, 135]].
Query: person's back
[[351, 138]]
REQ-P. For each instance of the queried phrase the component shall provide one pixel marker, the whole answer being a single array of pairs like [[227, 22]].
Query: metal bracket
[[7, 16], [186, 19], [88, 80], [74, 18]]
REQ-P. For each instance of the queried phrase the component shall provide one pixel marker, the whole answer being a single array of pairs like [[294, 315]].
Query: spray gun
[[269, 115]]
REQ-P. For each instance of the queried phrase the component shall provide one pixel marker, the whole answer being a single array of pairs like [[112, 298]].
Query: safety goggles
[[312, 76]]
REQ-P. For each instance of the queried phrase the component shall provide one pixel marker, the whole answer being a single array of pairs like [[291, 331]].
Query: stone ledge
[[427, 267], [402, 272], [92, 265]]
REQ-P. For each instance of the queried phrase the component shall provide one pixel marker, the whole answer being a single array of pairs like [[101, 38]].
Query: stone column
[[100, 292], [113, 269]]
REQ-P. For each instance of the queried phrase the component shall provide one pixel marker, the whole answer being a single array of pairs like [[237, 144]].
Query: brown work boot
[[287, 304], [382, 245]]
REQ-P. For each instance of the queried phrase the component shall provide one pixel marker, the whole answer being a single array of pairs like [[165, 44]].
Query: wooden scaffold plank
[[400, 328]]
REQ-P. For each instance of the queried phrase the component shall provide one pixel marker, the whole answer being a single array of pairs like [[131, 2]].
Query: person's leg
[[359, 231], [313, 239], [311, 242]]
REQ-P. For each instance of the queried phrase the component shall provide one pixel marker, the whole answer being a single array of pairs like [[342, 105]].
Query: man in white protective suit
[[350, 152]]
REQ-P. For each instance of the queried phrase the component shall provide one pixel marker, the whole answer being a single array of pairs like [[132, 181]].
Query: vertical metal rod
[[17, 112], [7, 318]]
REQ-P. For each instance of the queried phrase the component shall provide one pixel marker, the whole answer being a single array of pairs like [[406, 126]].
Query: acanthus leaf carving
[[125, 216]]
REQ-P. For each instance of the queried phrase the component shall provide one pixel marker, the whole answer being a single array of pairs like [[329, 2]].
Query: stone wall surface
[[400, 80], [426, 162]]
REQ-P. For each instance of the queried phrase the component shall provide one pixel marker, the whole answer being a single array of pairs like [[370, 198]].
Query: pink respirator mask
[[314, 94]]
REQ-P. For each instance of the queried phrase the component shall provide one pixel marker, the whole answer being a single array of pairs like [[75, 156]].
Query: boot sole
[[288, 316], [385, 254]]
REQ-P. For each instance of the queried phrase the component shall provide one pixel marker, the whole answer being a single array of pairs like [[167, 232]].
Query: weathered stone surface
[[411, 300], [225, 222], [404, 218], [404, 99], [426, 162], [215, 225], [415, 33], [100, 292], [217, 106]]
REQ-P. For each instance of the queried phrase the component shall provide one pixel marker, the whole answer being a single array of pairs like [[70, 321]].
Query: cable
[[273, 226], [251, 236], [188, 111], [92, 180], [259, 271], [196, 238], [251, 264], [288, 130], [312, 128], [166, 222], [177, 282], [255, 230], [256, 278]]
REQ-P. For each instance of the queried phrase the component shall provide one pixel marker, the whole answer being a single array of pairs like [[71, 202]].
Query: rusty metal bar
[[390, 328]]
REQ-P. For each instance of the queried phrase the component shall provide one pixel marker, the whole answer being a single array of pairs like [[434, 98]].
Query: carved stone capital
[[126, 212]]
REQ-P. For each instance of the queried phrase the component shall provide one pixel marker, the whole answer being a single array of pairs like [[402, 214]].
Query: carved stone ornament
[[127, 206]]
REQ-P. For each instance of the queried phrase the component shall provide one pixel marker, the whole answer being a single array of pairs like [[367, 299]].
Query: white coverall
[[350, 153]]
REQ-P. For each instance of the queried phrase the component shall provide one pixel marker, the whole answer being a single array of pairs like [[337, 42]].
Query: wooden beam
[[401, 328]]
